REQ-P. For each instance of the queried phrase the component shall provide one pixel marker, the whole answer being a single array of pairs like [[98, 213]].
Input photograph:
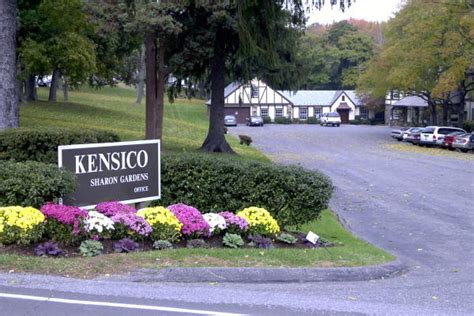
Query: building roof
[[343, 106], [231, 87], [319, 97], [412, 100]]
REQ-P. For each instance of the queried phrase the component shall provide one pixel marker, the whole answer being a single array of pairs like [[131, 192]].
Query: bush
[[196, 243], [22, 144], [64, 223], [291, 194], [113, 208], [162, 245], [312, 120], [91, 248], [267, 120], [469, 126], [235, 224], [33, 183], [130, 225], [164, 223], [232, 240], [21, 225], [283, 120], [260, 221], [194, 224]]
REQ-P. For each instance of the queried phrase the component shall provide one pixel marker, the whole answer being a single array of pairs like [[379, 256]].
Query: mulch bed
[[214, 242]]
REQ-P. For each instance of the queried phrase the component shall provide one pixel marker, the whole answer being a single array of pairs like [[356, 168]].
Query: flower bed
[[60, 230]]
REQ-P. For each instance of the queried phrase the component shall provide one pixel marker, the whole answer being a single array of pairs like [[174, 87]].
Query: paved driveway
[[418, 206]]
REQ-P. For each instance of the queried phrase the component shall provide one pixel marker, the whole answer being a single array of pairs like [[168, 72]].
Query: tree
[[427, 52], [9, 111]]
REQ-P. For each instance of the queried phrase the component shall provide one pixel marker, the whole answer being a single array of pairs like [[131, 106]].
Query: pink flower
[[112, 208], [192, 220]]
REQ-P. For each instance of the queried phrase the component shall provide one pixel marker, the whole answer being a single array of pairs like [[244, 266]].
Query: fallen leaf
[[434, 298], [353, 298]]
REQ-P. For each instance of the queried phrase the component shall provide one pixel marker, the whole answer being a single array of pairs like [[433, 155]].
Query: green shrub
[[312, 120], [267, 119], [196, 243], [33, 183], [283, 120], [41, 145], [469, 126], [91, 248], [162, 245], [291, 194], [232, 240]]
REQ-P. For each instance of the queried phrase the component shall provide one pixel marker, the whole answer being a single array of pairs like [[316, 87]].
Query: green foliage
[[41, 145], [312, 120], [33, 183], [287, 238], [54, 230], [283, 120], [267, 120], [291, 194], [162, 245], [232, 240], [196, 243], [91, 248], [21, 225], [469, 126]]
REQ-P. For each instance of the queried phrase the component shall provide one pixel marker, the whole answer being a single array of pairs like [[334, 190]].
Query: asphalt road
[[417, 206]]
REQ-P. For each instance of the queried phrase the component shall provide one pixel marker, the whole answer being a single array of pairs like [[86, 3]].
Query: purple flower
[[133, 222], [112, 208], [67, 215], [193, 222], [234, 221]]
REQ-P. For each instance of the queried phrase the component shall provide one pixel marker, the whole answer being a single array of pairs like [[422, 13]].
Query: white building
[[256, 98]]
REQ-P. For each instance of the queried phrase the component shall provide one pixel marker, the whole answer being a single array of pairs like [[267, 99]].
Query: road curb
[[268, 275]]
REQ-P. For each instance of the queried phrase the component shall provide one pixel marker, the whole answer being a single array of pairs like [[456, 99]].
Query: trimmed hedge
[[32, 183], [291, 194], [22, 144], [283, 120], [468, 126]]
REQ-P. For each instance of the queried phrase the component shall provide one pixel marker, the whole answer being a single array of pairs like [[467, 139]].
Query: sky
[[370, 10]]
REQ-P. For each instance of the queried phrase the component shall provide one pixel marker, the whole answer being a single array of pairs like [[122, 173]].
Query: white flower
[[98, 221], [215, 221]]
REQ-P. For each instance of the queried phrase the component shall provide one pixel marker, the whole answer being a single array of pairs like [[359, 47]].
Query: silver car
[[255, 121], [464, 142], [434, 135], [230, 120]]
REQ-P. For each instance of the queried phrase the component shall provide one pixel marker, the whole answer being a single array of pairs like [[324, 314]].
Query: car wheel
[[451, 148], [464, 150], [399, 139]]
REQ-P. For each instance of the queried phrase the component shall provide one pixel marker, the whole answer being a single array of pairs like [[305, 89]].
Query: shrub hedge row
[[22, 144], [32, 183], [293, 195]]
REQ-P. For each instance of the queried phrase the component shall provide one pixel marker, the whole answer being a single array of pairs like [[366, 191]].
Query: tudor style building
[[256, 98]]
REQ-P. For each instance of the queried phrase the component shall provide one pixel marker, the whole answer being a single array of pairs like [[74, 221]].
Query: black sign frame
[[65, 150]]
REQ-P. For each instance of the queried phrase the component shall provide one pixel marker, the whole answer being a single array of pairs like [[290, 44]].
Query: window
[[318, 111], [254, 91], [364, 113], [264, 111], [279, 112], [343, 98], [395, 95], [303, 113]]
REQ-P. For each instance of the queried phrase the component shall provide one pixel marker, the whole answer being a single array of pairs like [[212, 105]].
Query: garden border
[[264, 275]]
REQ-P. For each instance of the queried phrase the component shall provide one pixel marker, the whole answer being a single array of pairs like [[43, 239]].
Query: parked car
[[332, 118], [434, 135], [398, 133], [464, 142], [43, 81], [255, 121], [230, 120], [407, 133], [449, 140]]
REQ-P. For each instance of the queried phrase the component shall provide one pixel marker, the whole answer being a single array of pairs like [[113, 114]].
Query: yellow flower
[[20, 224], [260, 221], [165, 225]]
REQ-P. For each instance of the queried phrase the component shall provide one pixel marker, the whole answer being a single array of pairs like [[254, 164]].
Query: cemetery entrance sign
[[124, 171]]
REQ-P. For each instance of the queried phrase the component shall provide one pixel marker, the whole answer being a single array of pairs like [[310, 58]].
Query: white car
[[434, 135], [332, 118]]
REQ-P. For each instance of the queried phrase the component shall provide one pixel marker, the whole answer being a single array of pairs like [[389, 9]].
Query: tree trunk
[[151, 86], [9, 105], [141, 76], [65, 87], [31, 94], [160, 89], [53, 89], [434, 114], [215, 140], [445, 113]]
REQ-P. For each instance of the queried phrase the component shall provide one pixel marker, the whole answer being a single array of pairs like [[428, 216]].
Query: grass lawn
[[185, 128], [349, 251]]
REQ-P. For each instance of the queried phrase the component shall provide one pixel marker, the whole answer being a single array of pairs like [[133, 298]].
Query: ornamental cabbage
[[260, 221], [215, 221], [194, 224], [163, 222], [21, 225]]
